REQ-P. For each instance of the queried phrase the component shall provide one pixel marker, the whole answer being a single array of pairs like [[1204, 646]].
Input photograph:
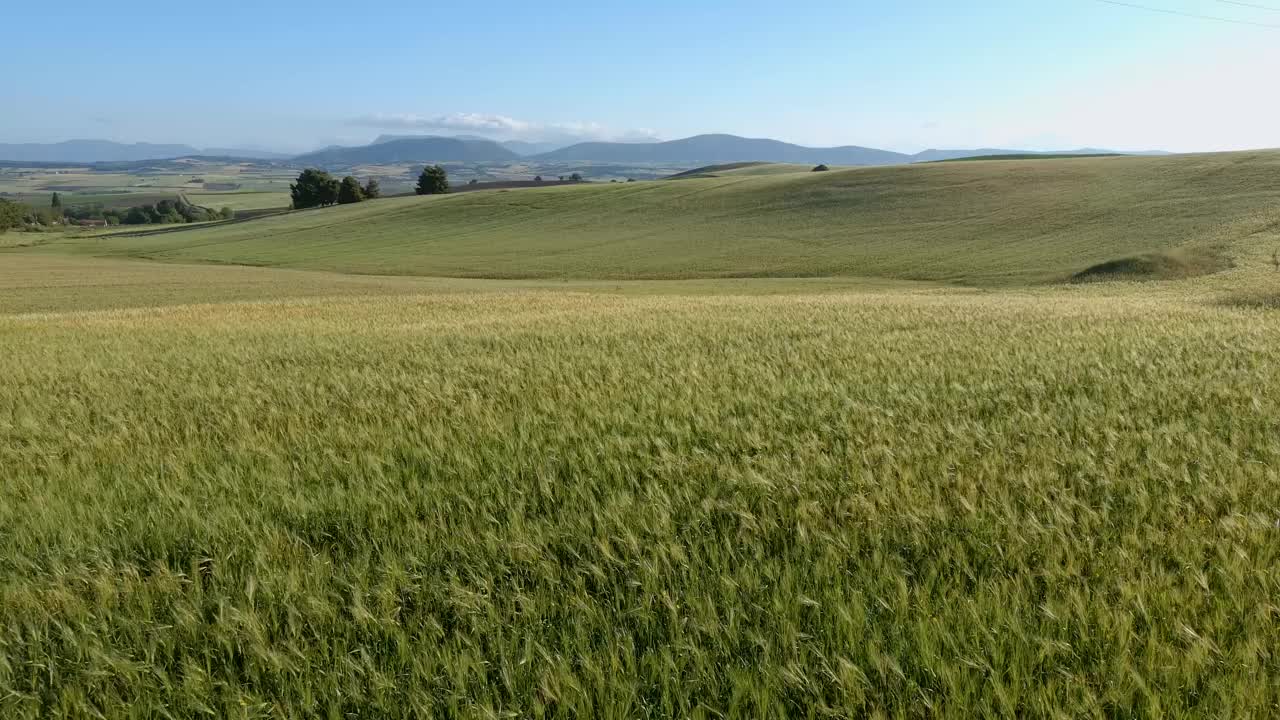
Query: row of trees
[[16, 215], [317, 188], [178, 210], [161, 213]]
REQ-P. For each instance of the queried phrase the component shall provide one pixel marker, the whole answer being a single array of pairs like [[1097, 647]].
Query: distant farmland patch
[[221, 186], [241, 200], [118, 200]]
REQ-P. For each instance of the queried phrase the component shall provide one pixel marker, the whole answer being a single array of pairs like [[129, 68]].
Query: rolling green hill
[[978, 223], [740, 169]]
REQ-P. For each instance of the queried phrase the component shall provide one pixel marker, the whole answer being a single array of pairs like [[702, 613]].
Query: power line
[[1196, 16], [1255, 6]]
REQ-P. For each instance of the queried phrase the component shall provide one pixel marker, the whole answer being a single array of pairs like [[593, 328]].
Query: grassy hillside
[[980, 222], [742, 168], [1030, 156]]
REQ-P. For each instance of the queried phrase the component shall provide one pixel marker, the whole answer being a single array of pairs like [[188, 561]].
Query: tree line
[[317, 188], [164, 212], [179, 210]]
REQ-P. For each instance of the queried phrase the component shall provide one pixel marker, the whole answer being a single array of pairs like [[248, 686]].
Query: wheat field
[[549, 504]]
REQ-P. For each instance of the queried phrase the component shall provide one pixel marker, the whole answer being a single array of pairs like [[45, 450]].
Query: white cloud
[[502, 127]]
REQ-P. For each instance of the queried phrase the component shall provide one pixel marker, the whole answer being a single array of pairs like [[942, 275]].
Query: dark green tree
[[372, 191], [350, 191], [821, 168], [56, 204], [433, 181], [136, 216], [11, 215], [314, 188], [537, 178], [576, 177]]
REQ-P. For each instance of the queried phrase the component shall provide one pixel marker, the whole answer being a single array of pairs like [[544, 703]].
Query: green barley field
[[313, 490]]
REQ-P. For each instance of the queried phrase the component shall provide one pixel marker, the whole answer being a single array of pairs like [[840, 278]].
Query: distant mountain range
[[413, 149], [391, 149], [244, 153], [721, 149], [717, 149], [91, 151], [519, 147], [531, 148]]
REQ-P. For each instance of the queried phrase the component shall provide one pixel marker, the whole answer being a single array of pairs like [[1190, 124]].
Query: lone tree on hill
[[372, 191], [315, 188], [433, 181], [821, 168], [350, 191], [576, 177]]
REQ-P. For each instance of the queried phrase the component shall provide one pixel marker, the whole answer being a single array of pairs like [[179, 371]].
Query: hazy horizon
[[916, 76]]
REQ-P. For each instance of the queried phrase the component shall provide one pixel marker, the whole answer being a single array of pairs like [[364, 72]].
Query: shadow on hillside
[[1176, 264]]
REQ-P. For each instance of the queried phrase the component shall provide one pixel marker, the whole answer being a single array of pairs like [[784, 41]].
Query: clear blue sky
[[899, 74]]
